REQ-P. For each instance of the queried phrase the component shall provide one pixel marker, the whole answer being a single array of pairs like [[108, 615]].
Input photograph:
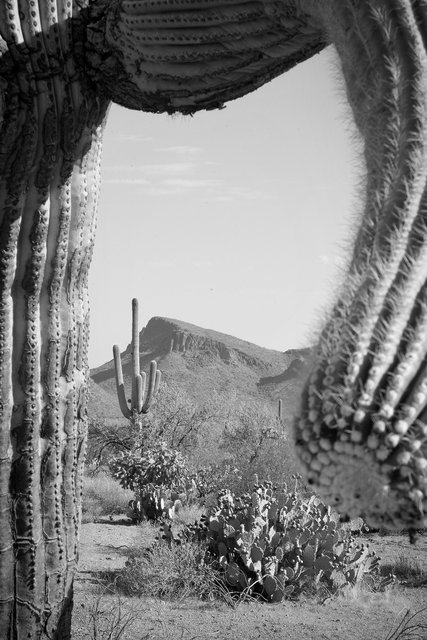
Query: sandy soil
[[354, 616]]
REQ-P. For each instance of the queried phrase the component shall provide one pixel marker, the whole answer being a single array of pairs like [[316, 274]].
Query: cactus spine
[[142, 394]]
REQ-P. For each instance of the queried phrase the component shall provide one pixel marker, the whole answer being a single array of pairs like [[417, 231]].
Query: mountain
[[203, 361]]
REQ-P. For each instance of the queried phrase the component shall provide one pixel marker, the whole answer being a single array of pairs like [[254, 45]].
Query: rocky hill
[[203, 361]]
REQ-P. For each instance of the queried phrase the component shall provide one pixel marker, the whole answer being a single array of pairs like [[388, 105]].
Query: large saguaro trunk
[[61, 62], [49, 170]]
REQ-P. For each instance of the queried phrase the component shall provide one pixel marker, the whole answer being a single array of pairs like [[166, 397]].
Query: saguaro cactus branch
[[362, 435], [141, 397]]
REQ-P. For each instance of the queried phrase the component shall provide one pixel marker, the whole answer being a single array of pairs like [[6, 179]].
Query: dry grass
[[187, 515], [167, 572], [407, 570], [103, 496]]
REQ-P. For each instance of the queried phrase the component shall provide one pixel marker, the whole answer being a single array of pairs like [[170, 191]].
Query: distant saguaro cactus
[[142, 394]]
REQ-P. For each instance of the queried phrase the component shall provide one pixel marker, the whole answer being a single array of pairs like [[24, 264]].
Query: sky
[[238, 220]]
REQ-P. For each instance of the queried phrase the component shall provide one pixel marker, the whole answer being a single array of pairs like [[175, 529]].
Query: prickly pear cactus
[[273, 543]]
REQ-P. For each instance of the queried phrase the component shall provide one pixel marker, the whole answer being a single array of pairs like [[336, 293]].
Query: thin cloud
[[139, 181], [161, 169], [231, 194], [182, 150], [160, 264], [202, 264], [191, 183], [223, 199], [123, 137]]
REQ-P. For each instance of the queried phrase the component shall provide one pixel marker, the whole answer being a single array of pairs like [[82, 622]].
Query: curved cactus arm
[[121, 394], [151, 386], [157, 383], [194, 55], [362, 436], [140, 389]]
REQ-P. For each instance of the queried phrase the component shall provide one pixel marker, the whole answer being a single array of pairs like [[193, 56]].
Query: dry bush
[[103, 495], [406, 570], [187, 514], [167, 572], [107, 617], [411, 626]]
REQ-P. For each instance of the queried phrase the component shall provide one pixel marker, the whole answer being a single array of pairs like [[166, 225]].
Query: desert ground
[[101, 614]]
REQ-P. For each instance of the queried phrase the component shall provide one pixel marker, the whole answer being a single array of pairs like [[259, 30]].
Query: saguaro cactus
[[50, 140], [142, 394]]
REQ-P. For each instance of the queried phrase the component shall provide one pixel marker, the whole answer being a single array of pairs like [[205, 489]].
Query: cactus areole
[[362, 431]]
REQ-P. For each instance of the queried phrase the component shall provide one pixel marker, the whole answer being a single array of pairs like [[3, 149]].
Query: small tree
[[105, 441], [255, 441], [159, 478], [179, 420]]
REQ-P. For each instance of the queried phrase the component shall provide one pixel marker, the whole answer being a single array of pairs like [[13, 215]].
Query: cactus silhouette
[[142, 394]]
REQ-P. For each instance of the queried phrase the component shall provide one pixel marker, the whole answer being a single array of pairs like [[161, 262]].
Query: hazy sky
[[236, 220]]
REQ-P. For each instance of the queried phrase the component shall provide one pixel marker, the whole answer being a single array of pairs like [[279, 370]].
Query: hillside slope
[[203, 361]]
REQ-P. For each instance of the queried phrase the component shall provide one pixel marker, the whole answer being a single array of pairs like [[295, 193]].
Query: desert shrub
[[407, 570], [212, 479], [103, 495], [159, 478], [175, 419], [159, 466], [168, 572], [180, 421], [106, 616], [187, 514], [255, 442], [410, 626], [273, 544], [106, 440]]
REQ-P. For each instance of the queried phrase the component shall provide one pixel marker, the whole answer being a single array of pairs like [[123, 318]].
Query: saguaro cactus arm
[[153, 386], [168, 56], [120, 385], [138, 403], [362, 435]]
